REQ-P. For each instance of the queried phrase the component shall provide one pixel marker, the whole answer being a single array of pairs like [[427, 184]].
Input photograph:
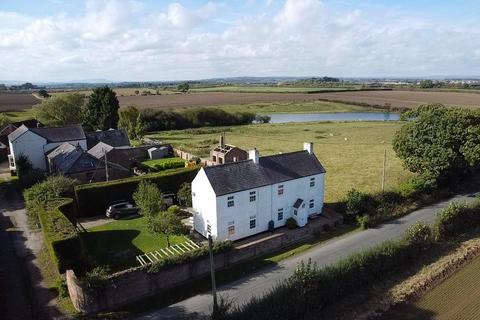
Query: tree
[[184, 194], [61, 110], [438, 140], [101, 110], [129, 119], [149, 199], [27, 174], [426, 84], [43, 93], [4, 120], [183, 87], [167, 223]]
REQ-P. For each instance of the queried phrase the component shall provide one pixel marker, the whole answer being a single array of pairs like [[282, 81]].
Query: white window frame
[[253, 196], [280, 190], [254, 220], [312, 182], [311, 203], [231, 228], [280, 214], [230, 201]]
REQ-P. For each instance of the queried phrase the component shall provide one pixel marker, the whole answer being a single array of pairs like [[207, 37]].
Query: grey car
[[121, 208]]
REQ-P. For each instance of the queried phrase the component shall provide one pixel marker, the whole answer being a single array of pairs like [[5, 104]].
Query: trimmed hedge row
[[60, 234], [92, 199], [191, 256], [457, 218]]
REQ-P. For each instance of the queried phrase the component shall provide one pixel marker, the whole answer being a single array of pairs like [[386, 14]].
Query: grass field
[[457, 298], [118, 242], [165, 163], [271, 89], [352, 152]]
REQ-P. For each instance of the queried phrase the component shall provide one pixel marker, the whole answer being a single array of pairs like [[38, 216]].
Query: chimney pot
[[253, 155], [308, 146]]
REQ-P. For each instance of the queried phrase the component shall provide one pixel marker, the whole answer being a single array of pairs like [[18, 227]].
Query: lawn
[[351, 152], [117, 243], [457, 298], [273, 89], [165, 163]]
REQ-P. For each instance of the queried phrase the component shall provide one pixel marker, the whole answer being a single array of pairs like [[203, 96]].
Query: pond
[[333, 116]]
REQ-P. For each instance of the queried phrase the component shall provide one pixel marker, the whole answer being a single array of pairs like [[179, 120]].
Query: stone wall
[[131, 285]]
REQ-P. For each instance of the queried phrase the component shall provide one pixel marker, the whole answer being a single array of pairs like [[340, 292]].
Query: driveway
[[258, 283]]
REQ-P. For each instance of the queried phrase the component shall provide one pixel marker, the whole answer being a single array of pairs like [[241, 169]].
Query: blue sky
[[135, 40]]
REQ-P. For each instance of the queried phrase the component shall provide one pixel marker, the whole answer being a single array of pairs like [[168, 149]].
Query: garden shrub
[[417, 185], [358, 203], [291, 223], [191, 256], [456, 219], [94, 198], [365, 221], [418, 233]]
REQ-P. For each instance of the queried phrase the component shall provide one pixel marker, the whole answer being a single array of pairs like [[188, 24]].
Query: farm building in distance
[[240, 199], [226, 153]]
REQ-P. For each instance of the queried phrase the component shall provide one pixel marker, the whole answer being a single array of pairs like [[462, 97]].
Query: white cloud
[[125, 40]]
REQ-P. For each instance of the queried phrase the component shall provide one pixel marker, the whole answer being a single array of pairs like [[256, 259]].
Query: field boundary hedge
[[60, 234], [92, 199]]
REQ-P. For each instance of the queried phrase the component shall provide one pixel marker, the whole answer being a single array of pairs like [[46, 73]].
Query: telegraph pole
[[384, 168], [212, 274], [106, 165]]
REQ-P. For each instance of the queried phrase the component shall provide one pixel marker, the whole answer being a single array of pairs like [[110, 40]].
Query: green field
[[352, 152], [272, 89], [118, 242], [165, 163], [297, 107], [457, 298]]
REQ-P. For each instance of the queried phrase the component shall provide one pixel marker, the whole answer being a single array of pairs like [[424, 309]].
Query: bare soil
[[404, 99], [16, 101]]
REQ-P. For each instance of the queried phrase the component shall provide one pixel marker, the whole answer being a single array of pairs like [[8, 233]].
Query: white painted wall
[[31, 146], [34, 147], [264, 208], [204, 205]]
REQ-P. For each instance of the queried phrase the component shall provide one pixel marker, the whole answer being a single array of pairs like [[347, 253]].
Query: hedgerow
[[60, 234], [457, 218], [191, 256], [92, 199]]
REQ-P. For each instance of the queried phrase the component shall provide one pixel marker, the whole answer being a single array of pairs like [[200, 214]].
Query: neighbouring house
[[115, 155], [36, 143], [117, 138], [9, 128], [226, 153], [74, 162], [240, 199]]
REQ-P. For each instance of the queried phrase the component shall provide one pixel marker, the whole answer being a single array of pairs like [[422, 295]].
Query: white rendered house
[[36, 143], [240, 199]]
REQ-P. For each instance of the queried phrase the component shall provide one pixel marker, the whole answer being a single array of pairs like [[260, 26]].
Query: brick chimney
[[308, 146], [222, 140], [253, 155]]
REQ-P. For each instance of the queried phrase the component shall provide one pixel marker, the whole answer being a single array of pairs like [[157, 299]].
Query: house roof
[[70, 159], [61, 134], [112, 137], [98, 151], [9, 128], [298, 203], [226, 148], [244, 175], [17, 133]]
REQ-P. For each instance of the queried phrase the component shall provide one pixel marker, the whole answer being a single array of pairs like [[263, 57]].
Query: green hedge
[[60, 234], [457, 218], [191, 256], [164, 164], [94, 198]]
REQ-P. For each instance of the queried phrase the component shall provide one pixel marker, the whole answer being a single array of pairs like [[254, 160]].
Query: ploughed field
[[404, 99], [205, 99], [457, 298], [351, 152], [16, 101]]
